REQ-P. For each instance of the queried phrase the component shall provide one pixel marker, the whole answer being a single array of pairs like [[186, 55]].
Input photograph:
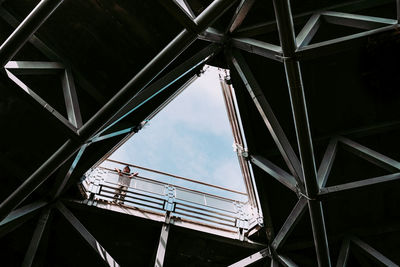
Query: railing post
[[169, 204]]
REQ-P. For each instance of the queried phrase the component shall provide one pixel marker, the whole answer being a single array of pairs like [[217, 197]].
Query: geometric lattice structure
[[317, 90]]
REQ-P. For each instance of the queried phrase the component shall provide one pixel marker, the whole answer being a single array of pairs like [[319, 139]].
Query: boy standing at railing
[[124, 180]]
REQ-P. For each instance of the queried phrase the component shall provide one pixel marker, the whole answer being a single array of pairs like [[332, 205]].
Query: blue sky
[[190, 137]]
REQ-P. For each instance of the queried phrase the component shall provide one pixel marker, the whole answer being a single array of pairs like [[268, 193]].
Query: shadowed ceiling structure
[[317, 89]]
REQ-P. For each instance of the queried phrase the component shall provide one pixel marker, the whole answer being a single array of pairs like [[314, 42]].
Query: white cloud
[[191, 137]]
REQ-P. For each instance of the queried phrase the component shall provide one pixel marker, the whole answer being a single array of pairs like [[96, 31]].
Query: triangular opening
[[328, 31], [45, 83], [301, 231], [184, 161], [349, 167], [191, 137], [31, 53]]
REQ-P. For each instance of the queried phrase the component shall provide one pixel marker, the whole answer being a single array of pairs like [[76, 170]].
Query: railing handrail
[[178, 186], [178, 177]]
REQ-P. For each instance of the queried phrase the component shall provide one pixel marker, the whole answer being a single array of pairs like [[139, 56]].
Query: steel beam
[[370, 155], [71, 99], [276, 172], [189, 9], [398, 10], [96, 123], [59, 120], [14, 219], [309, 30], [41, 68], [41, 227], [49, 53], [338, 44], [343, 254], [34, 67], [268, 116], [65, 173], [327, 163], [26, 29], [180, 14], [291, 221], [356, 21], [240, 14], [274, 263], [363, 184], [114, 134], [212, 35], [162, 246], [86, 235], [372, 253], [284, 19], [260, 48], [270, 26], [162, 83], [363, 131], [286, 262], [252, 258]]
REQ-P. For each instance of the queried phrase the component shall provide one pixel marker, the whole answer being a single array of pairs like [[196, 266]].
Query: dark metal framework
[[305, 179]]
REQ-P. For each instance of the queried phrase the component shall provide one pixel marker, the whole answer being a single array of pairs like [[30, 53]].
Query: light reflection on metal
[[238, 136]]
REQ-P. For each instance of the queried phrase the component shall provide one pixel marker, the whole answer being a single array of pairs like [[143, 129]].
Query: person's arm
[[118, 170], [133, 174]]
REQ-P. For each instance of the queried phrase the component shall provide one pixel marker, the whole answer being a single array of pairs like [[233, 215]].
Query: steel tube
[[144, 77], [26, 29], [297, 98], [154, 67], [398, 10]]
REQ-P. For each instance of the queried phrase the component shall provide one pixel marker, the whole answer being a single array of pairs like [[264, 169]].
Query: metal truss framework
[[304, 179]]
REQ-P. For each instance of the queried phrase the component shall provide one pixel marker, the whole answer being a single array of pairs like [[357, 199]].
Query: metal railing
[[181, 203]]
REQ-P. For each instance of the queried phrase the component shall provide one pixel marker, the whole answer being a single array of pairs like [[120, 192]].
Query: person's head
[[127, 169]]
